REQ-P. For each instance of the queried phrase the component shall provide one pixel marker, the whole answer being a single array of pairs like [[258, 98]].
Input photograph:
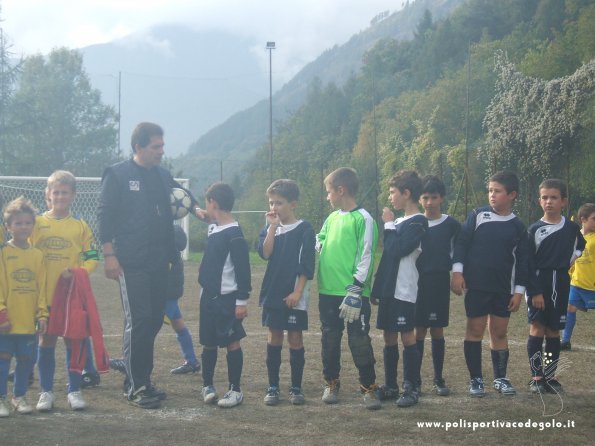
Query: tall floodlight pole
[[270, 47]]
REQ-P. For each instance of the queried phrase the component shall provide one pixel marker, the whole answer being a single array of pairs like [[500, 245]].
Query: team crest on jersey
[[56, 243], [487, 215], [134, 185], [292, 319], [23, 275]]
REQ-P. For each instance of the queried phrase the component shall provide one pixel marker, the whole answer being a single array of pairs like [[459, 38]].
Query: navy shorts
[[19, 345], [433, 300], [395, 315], [481, 303], [581, 298], [218, 325], [172, 310], [556, 287], [284, 319]]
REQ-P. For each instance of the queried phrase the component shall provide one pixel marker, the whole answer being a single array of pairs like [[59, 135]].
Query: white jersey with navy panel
[[491, 252], [292, 257], [225, 266], [397, 273], [552, 247], [438, 244]]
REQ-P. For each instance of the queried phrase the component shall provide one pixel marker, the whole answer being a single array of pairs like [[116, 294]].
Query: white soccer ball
[[180, 203]]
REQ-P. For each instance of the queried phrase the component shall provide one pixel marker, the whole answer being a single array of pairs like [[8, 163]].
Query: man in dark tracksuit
[[136, 232]]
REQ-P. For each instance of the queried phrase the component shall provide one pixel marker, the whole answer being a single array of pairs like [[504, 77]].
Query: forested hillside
[[506, 84]]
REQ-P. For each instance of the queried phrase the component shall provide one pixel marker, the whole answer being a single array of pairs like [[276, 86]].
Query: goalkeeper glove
[[351, 306]]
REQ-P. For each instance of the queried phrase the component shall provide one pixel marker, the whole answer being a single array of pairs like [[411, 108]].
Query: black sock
[[297, 361], [552, 355], [420, 347], [411, 364], [500, 362], [472, 351], [235, 363], [273, 363], [438, 349], [391, 362], [535, 352], [209, 361]]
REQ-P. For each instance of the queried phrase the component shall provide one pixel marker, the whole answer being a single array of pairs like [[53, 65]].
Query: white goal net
[[84, 206]]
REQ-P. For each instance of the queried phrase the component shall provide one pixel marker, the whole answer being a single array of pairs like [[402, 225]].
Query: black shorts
[[556, 288], [481, 303], [433, 300], [395, 315], [284, 319], [218, 325]]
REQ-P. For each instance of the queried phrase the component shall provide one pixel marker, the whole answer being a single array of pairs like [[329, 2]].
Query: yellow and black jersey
[[22, 287], [66, 243]]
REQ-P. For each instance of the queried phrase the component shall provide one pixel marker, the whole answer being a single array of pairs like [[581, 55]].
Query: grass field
[[184, 419]]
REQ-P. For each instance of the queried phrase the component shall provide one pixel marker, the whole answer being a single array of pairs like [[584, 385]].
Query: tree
[[60, 120]]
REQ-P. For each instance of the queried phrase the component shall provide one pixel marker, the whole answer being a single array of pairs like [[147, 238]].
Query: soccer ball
[[180, 203]]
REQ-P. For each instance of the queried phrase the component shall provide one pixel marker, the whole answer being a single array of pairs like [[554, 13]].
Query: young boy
[[434, 265], [490, 268], [582, 283], [22, 303], [554, 243], [66, 242], [347, 244], [288, 245], [395, 286], [224, 276]]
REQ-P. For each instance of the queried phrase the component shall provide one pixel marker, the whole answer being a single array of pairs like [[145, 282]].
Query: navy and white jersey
[[225, 266], [292, 257], [438, 244], [397, 273], [491, 252], [552, 247]]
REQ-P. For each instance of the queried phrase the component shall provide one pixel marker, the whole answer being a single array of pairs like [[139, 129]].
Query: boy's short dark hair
[[431, 184], [285, 188], [18, 206], [345, 177], [222, 194], [407, 180], [555, 183], [508, 179], [143, 133], [586, 210]]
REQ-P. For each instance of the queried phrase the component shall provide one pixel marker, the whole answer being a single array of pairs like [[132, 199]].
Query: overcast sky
[[302, 28]]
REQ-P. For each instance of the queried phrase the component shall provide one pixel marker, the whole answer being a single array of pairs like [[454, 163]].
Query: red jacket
[[74, 316]]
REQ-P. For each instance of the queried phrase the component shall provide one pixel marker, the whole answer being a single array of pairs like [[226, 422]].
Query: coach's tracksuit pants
[[143, 301]]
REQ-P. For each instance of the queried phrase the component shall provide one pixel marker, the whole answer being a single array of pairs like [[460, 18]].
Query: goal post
[[85, 204]]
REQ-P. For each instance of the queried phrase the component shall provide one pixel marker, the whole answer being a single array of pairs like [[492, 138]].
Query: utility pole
[[270, 47]]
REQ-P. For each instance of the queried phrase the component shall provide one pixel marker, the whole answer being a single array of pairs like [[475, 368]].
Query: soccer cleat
[[565, 345], [296, 397], [141, 398], [4, 410], [553, 386], [118, 364], [331, 391], [185, 368], [90, 380], [387, 393], [504, 386], [156, 392], [371, 400], [231, 399], [476, 388], [20, 405], [209, 394], [537, 386], [272, 396], [76, 401], [440, 387], [46, 402], [409, 397]]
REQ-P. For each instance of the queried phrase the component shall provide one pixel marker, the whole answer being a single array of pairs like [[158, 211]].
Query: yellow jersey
[[22, 291], [66, 243], [582, 273]]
